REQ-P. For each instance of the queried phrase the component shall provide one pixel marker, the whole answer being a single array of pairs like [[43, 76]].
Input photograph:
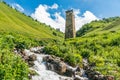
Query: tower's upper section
[[69, 11], [70, 24]]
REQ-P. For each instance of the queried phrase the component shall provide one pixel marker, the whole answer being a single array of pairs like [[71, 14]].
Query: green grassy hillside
[[18, 31], [13, 21], [98, 41], [100, 27]]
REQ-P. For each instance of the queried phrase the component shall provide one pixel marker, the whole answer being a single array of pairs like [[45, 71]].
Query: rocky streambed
[[49, 67]]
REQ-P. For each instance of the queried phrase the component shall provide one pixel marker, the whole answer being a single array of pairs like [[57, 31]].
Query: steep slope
[[99, 42], [18, 32], [99, 27], [13, 21]]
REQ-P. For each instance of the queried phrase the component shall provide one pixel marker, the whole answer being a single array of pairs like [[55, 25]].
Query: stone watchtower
[[70, 25]]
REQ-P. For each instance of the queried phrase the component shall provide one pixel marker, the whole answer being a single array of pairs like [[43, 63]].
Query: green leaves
[[12, 67], [99, 61]]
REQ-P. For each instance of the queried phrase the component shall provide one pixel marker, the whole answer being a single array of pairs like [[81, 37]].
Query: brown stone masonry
[[70, 25]]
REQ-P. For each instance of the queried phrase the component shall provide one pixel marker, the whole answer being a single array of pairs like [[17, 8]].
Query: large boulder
[[62, 67], [48, 59], [55, 64], [71, 72]]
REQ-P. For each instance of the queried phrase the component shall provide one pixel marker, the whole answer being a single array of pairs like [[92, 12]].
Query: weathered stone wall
[[70, 25]]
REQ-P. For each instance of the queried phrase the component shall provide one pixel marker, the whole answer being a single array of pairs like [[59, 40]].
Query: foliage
[[12, 67], [99, 61], [65, 52]]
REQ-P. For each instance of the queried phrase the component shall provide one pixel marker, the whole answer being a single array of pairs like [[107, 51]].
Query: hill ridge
[[13, 21]]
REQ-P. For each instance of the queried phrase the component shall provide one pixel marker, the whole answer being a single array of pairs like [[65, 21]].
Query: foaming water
[[43, 73]]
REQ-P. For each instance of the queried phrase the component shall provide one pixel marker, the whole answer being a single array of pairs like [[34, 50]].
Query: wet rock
[[88, 71], [31, 63], [69, 72], [55, 64], [85, 64], [78, 73], [26, 58], [80, 78], [95, 75], [77, 78], [23, 53], [48, 59], [101, 77], [109, 77], [32, 57], [77, 69], [61, 67], [91, 75], [29, 76], [37, 49]]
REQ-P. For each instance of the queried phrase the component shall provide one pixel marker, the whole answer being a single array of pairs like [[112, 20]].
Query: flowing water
[[43, 73]]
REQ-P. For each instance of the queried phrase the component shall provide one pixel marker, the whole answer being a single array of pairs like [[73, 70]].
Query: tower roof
[[69, 11]]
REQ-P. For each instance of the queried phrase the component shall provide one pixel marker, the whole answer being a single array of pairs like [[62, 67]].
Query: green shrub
[[70, 59], [115, 42], [73, 59], [118, 62], [12, 67], [99, 61], [54, 33], [85, 53]]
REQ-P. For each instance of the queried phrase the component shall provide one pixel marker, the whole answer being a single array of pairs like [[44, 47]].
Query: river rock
[[101, 77], [80, 78], [78, 73], [109, 77], [32, 57], [26, 58], [95, 75], [85, 64], [69, 72], [55, 64], [31, 63], [37, 49], [61, 67], [48, 59]]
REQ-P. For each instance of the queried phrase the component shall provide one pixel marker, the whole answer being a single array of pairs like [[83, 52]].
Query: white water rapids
[[43, 73]]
